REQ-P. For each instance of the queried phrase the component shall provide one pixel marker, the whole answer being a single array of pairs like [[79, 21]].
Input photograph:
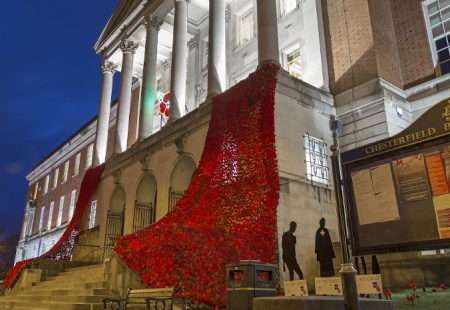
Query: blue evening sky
[[49, 86]]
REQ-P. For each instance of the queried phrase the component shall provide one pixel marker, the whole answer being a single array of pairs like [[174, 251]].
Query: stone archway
[[145, 203], [180, 178], [116, 216]]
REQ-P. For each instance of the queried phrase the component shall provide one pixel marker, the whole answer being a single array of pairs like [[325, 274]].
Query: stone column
[[101, 138], [216, 48], [148, 92], [178, 72], [268, 49], [128, 48]]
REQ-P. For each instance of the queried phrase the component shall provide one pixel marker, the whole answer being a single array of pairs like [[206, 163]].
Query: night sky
[[49, 86]]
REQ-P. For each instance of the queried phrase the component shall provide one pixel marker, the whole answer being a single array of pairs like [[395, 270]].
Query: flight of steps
[[80, 288]]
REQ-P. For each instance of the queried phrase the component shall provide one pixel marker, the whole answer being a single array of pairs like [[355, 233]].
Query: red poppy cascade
[[164, 103]]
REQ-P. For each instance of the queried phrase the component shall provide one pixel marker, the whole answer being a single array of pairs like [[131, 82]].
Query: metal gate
[[114, 227], [144, 215], [174, 196]]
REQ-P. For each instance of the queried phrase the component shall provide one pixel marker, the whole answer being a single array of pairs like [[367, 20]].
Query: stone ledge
[[319, 302]]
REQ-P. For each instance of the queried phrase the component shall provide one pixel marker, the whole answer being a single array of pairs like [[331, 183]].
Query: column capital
[[194, 42], [154, 22], [108, 66], [227, 13], [129, 46]]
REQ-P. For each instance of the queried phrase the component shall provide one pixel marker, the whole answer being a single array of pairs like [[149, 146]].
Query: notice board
[[398, 189]]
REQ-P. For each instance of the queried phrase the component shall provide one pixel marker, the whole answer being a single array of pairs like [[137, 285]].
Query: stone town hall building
[[360, 61]]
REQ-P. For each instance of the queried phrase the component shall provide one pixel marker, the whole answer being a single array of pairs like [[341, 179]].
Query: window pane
[[433, 8], [435, 19], [441, 43], [444, 3], [444, 55], [437, 31], [445, 67], [445, 14]]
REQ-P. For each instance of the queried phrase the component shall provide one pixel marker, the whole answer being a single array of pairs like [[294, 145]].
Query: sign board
[[369, 284], [328, 286], [295, 288], [398, 189]]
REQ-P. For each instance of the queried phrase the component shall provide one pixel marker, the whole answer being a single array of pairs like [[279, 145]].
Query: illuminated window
[[76, 168], [245, 25], [41, 219], [60, 211], [437, 19], [293, 61], [36, 187], [93, 212], [287, 6], [55, 178], [72, 203], [66, 171], [50, 215], [316, 159], [47, 179], [89, 155]]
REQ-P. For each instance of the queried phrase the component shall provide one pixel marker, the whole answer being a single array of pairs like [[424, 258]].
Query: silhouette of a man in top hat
[[288, 244]]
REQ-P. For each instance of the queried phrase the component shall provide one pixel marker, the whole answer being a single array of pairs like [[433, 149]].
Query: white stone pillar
[[128, 48], [148, 92], [268, 48], [216, 48], [178, 73], [101, 137]]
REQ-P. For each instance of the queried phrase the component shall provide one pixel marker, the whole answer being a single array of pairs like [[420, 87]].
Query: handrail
[[95, 248], [114, 254]]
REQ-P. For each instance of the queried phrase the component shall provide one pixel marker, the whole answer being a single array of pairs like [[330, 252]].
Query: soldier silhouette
[[288, 244], [324, 250]]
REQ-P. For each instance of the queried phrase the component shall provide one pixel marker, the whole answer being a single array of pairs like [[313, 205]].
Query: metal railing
[[114, 227], [174, 196], [144, 215]]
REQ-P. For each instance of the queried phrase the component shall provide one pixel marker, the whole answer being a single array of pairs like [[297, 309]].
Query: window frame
[[55, 178], [60, 211], [248, 9], [41, 218], [89, 155], [92, 214], [73, 197], [282, 11], [66, 171], [290, 50], [50, 215], [76, 168], [46, 184], [323, 158]]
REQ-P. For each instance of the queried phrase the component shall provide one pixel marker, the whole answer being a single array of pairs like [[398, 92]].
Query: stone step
[[22, 305], [56, 285], [66, 292], [98, 268], [56, 298], [68, 279]]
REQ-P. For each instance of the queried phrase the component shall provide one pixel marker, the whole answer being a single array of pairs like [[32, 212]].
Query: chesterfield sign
[[398, 189]]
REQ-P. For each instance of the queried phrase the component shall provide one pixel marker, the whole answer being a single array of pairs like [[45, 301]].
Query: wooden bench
[[149, 298]]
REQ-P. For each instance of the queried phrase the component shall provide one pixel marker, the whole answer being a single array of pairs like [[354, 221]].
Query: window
[[50, 215], [41, 219], [60, 211], [293, 61], [72, 203], [316, 159], [92, 215], [158, 85], [47, 179], [89, 155], [55, 178], [245, 25], [36, 187], [287, 6], [76, 168], [66, 171], [437, 17]]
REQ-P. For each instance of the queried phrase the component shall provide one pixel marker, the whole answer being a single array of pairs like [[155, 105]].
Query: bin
[[247, 280]]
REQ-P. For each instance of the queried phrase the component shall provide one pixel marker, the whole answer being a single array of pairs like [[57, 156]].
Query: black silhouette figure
[[288, 244], [324, 250]]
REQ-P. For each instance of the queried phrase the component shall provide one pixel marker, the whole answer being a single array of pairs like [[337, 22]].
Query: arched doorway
[[180, 179], [145, 203], [116, 215]]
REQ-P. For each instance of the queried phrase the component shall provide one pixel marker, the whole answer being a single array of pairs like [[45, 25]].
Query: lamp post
[[347, 271]]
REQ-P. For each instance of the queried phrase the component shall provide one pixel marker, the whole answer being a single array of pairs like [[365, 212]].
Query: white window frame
[[36, 187], [89, 155], [92, 213], [76, 168], [316, 160], [46, 183], [50, 215], [431, 40], [286, 53], [72, 203], [242, 14], [60, 211], [287, 6], [41, 218], [55, 178], [66, 171]]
